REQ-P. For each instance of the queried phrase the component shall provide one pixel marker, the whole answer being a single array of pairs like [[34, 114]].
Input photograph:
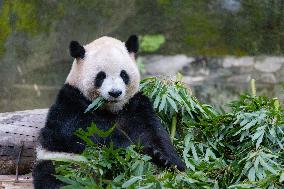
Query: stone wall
[[213, 80], [218, 80]]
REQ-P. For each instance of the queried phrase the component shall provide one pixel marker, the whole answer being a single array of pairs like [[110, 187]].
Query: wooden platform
[[8, 182]]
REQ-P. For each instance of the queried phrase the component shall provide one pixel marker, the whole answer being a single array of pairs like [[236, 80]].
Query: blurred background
[[218, 45]]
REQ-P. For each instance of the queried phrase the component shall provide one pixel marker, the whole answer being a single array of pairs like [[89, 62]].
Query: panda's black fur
[[132, 44], [76, 50], [136, 123]]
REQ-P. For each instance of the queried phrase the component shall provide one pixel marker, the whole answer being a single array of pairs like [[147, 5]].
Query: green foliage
[[107, 167], [151, 43], [26, 17], [249, 140], [172, 100], [209, 28], [84, 135], [191, 27], [242, 148], [4, 25]]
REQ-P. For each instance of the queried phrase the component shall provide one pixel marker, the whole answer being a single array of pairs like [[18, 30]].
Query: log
[[23, 182], [18, 139]]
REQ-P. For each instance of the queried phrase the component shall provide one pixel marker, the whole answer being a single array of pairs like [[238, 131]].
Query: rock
[[193, 80], [231, 61], [246, 69], [165, 65], [223, 73], [268, 78], [239, 78], [269, 64], [280, 76]]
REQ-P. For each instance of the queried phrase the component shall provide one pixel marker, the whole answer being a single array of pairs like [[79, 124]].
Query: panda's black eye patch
[[124, 76], [100, 79]]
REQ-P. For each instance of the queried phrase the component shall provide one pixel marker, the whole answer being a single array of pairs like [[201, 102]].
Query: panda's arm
[[160, 147], [58, 133], [63, 119], [153, 136]]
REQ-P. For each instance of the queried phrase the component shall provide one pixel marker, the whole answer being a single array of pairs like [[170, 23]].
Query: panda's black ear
[[76, 50], [132, 44]]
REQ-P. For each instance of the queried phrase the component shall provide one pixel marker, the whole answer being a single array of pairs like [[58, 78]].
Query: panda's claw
[[156, 152], [167, 162]]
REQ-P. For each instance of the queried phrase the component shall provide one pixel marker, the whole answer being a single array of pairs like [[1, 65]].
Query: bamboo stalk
[[173, 128], [253, 88]]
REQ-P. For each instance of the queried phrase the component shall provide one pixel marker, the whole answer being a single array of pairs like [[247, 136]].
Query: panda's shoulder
[[139, 100], [68, 101], [70, 97]]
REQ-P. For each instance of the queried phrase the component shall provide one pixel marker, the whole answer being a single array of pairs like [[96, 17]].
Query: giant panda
[[105, 67]]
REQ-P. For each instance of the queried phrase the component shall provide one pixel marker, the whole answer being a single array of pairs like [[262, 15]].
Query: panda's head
[[106, 67]]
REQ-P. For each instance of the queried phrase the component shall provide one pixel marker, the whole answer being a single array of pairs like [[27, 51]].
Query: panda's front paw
[[159, 158], [181, 166], [176, 162]]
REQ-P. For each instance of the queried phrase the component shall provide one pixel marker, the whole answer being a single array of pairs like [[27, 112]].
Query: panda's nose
[[115, 93]]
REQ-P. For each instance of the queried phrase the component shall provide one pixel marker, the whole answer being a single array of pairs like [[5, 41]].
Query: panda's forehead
[[108, 53], [110, 60], [106, 46]]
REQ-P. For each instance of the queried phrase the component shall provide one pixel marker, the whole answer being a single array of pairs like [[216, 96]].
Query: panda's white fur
[[43, 154], [111, 56]]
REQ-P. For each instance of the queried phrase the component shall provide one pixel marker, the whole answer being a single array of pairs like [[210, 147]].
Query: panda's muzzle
[[115, 93]]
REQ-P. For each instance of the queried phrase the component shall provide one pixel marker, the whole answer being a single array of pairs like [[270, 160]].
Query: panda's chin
[[112, 101], [115, 105]]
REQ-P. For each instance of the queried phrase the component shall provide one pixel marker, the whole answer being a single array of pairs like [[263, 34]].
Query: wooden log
[[18, 139], [8, 182]]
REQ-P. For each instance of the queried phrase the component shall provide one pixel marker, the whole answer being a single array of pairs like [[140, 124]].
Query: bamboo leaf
[[242, 186], [257, 135], [267, 167], [193, 150], [163, 102], [259, 140], [251, 174], [98, 102], [281, 179], [156, 102], [172, 103], [131, 181]]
